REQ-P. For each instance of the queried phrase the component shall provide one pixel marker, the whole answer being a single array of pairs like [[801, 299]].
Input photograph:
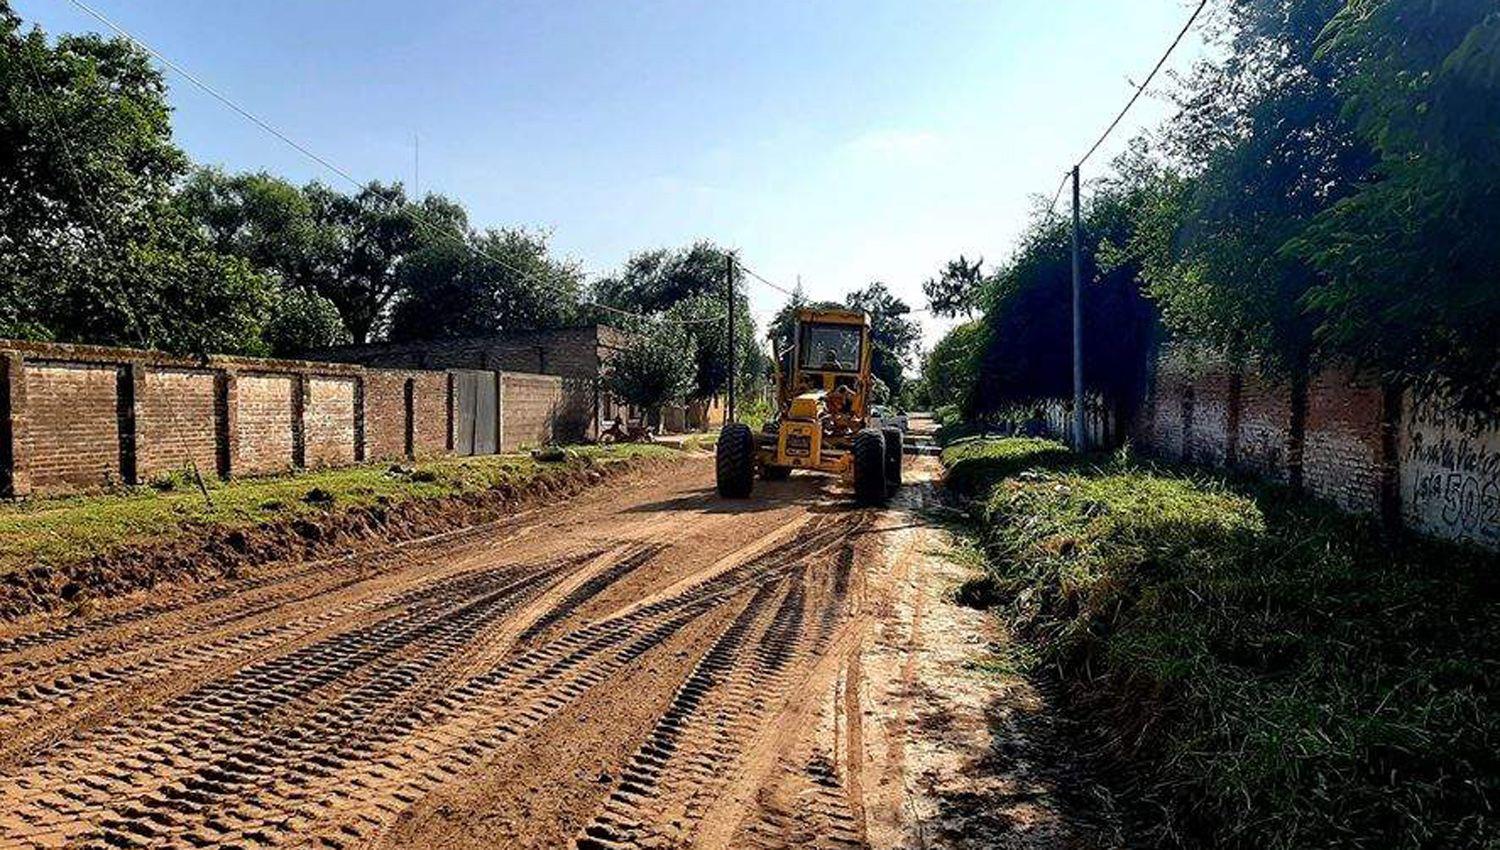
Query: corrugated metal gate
[[476, 411]]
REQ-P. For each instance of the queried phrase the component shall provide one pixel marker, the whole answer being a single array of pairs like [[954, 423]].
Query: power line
[[1142, 88], [778, 287], [408, 208]]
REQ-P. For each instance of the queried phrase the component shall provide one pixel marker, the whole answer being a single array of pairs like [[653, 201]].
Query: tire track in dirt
[[323, 706], [207, 741], [672, 779]]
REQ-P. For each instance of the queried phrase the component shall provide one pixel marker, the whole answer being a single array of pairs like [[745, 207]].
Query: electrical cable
[[1140, 90], [409, 208]]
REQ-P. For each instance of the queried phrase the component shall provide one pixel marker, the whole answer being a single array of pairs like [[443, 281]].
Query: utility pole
[[1080, 436], [729, 314]]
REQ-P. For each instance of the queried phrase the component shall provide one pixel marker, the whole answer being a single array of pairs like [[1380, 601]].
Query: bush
[[1274, 673], [975, 464]]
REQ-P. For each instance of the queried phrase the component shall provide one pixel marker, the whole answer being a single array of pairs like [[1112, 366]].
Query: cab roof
[[833, 317]]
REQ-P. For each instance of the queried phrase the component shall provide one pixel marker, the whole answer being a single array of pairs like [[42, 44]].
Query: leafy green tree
[[300, 321], [93, 250], [687, 285], [656, 280], [1410, 260], [958, 290], [1025, 344], [485, 282], [1265, 137], [893, 336], [650, 371], [950, 371]]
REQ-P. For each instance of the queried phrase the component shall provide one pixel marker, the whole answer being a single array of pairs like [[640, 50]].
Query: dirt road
[[644, 667]]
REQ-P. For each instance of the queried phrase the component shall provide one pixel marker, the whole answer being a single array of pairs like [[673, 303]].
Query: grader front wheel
[[734, 461], [893, 440]]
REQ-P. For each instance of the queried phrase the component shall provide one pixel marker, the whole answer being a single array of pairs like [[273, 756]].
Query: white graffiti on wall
[[1450, 472]]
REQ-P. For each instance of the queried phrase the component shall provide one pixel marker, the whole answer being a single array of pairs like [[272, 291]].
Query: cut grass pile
[[1267, 672], [65, 530]]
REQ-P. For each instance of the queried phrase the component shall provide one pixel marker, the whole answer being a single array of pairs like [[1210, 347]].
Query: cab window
[[830, 348]]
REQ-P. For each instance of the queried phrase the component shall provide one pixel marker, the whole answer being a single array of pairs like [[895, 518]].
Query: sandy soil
[[642, 666]]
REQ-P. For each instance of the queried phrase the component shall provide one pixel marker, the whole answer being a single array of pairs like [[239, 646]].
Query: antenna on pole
[[416, 165]]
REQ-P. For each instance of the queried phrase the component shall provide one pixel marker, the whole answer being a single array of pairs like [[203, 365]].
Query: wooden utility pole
[[729, 315], [1080, 436]]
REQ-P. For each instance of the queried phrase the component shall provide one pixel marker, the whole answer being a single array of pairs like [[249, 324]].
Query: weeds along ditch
[[1258, 669]]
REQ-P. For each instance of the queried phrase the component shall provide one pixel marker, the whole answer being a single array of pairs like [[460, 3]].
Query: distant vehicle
[[882, 416]]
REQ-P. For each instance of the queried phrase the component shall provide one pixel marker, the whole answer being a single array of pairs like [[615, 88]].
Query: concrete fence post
[[448, 402], [359, 418], [499, 413], [301, 391], [227, 421], [1232, 417], [15, 472], [1392, 413], [132, 379]]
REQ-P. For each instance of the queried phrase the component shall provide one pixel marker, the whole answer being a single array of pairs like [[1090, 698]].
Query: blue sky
[[840, 141]]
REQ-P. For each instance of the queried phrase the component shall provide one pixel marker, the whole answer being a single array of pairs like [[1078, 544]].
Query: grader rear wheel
[[734, 461], [869, 467]]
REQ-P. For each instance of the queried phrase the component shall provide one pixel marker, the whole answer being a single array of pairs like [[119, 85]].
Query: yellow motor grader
[[823, 403]]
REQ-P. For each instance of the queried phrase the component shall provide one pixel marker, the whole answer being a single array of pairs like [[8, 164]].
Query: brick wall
[[579, 354], [74, 422], [529, 405], [385, 415], [431, 422], [1265, 426], [176, 421], [266, 418], [1341, 454], [1449, 472], [77, 417], [1364, 447], [328, 422]]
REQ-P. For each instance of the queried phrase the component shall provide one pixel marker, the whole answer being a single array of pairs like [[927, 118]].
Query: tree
[[93, 250], [485, 282], [1409, 261], [1265, 137], [301, 321], [893, 336], [379, 229], [1025, 343], [650, 371], [957, 290], [950, 371], [687, 285], [653, 281]]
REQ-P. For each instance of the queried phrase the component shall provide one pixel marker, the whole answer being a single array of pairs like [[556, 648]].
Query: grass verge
[[1265, 671], [52, 532]]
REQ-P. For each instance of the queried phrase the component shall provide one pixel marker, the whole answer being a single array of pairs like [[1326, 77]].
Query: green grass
[[1271, 672], [65, 530], [975, 464]]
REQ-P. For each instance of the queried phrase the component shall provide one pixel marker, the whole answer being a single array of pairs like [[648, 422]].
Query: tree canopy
[[687, 286], [957, 290], [91, 248]]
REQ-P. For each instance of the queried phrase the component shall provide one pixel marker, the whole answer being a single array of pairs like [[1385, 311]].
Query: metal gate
[[476, 411]]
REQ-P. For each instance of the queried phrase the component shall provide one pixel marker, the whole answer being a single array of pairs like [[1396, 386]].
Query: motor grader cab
[[822, 422]]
